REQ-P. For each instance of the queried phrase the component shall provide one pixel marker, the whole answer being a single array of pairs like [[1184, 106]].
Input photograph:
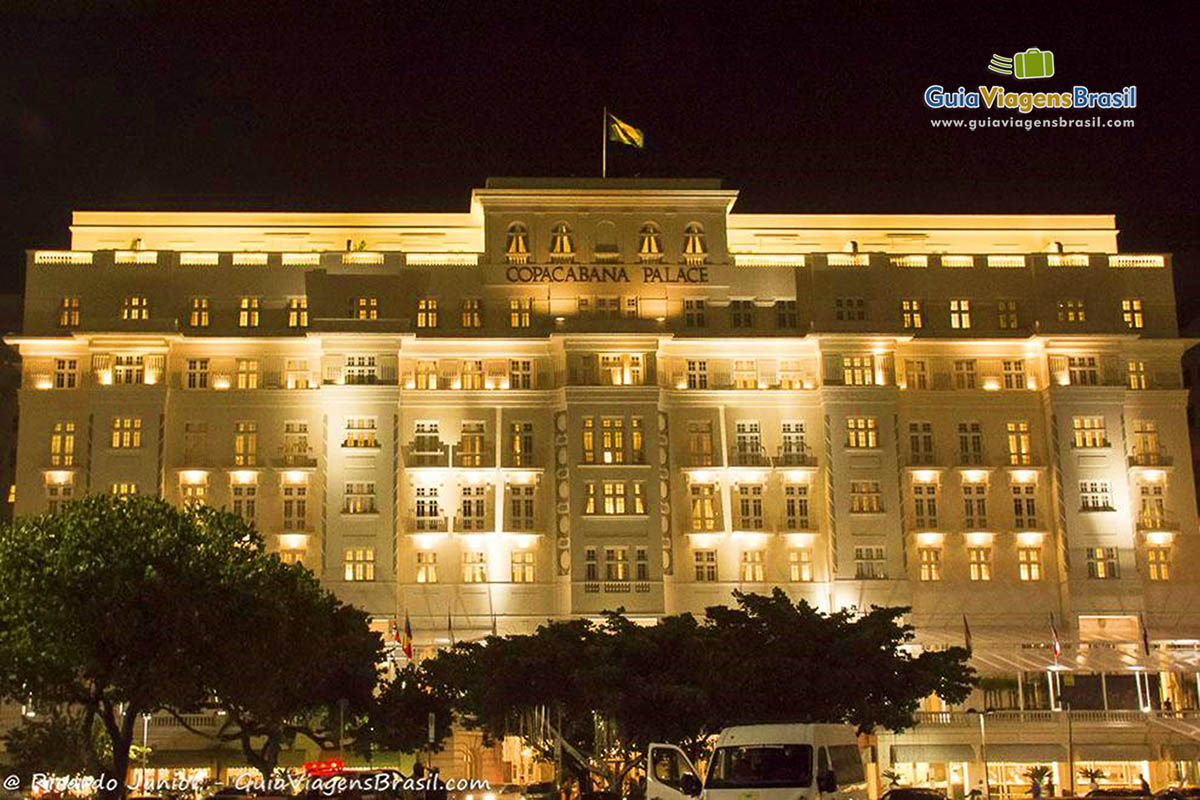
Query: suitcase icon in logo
[[1033, 63]]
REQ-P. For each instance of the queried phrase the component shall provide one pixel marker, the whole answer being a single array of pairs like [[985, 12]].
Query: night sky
[[803, 107]]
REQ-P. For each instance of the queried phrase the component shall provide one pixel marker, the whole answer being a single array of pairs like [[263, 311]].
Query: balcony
[[802, 456], [428, 524], [1019, 719], [749, 455], [474, 524], [520, 461], [1150, 460], [426, 455], [701, 459], [476, 459], [296, 457]]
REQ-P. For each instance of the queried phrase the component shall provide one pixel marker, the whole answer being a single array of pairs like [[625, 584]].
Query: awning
[[1026, 753], [1189, 751], [1112, 752], [931, 753]]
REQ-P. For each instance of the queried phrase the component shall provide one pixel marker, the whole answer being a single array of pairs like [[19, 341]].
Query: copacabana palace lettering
[[587, 274]]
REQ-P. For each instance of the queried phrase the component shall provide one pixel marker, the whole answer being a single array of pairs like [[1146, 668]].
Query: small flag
[[966, 634], [1054, 635], [625, 133], [394, 631], [494, 624], [408, 642], [1145, 634], [450, 626]]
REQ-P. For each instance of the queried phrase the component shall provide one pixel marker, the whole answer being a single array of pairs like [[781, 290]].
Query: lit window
[[960, 313], [1102, 563], [912, 314], [361, 369], [297, 312], [520, 312], [1089, 432], [359, 497], [706, 566], [703, 506], [861, 432], [614, 497], [979, 562], [296, 451], [248, 308], [562, 242], [198, 314], [1095, 496], [194, 494], [1072, 311], [869, 563], [520, 439], [800, 566], [427, 312], [745, 373], [1131, 313], [359, 564], [616, 564], [930, 559], [245, 444], [1158, 561], [126, 432], [650, 242], [858, 370], [1018, 443], [753, 566], [1145, 443], [365, 308], [523, 565], [694, 246], [516, 243], [123, 491], [1029, 563], [472, 314], [296, 373], [1007, 316], [427, 571], [612, 440], [68, 312], [1153, 512], [62, 444], [474, 566], [247, 373], [1137, 374], [360, 432], [865, 497], [426, 375], [135, 308]]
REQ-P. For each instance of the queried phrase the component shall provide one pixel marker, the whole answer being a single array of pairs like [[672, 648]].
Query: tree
[[400, 718], [101, 605], [611, 689], [56, 743], [290, 660]]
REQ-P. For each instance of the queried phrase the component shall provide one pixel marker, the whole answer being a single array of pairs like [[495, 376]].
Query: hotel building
[[581, 394]]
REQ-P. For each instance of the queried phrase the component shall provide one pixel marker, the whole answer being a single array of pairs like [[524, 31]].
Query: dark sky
[[803, 107]]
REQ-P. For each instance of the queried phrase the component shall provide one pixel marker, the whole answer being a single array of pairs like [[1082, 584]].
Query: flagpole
[[604, 145]]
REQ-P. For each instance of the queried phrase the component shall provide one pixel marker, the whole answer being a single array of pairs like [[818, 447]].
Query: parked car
[[913, 793], [540, 791], [509, 791], [1179, 793]]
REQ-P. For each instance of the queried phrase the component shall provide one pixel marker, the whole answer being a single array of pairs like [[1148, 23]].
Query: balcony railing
[[484, 458], [1150, 460], [708, 459], [796, 457], [428, 524], [425, 456], [749, 455], [474, 524], [970, 719], [297, 457]]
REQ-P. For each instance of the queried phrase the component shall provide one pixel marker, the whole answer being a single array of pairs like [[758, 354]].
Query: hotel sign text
[[593, 274]]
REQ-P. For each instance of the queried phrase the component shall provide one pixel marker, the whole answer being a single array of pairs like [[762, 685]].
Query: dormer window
[[650, 242], [562, 243], [516, 244], [695, 250]]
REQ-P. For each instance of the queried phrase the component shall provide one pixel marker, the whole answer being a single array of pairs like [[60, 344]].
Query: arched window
[[650, 242], [694, 247], [562, 242], [516, 243]]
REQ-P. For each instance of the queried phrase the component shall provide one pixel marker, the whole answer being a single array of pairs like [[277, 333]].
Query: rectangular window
[[68, 312], [703, 506], [925, 505], [427, 571], [472, 313], [754, 568], [930, 560], [1137, 374], [358, 497], [295, 507], [247, 373], [861, 432], [697, 374], [195, 442], [296, 451], [705, 562], [1007, 316], [520, 441], [1071, 311], [800, 565], [427, 312], [612, 440], [589, 440], [1082, 371], [62, 444], [1018, 443], [920, 443], [1131, 313], [700, 443], [125, 490], [1145, 443], [245, 444], [960, 314], [912, 314], [248, 308], [1014, 374], [1029, 563], [750, 507], [245, 500], [194, 494], [135, 308], [979, 563], [361, 369], [66, 372], [975, 505], [427, 509], [296, 374], [198, 315], [520, 374], [849, 309], [359, 564], [1158, 563], [1153, 512], [57, 494], [916, 374], [614, 497], [616, 564], [865, 497], [869, 563], [793, 450], [785, 314], [1102, 563], [741, 313], [297, 312], [520, 508], [748, 449], [790, 374], [126, 432], [694, 313], [129, 370], [641, 564], [474, 566], [1089, 432], [591, 565], [474, 508], [637, 441], [858, 370], [745, 373], [1095, 496], [970, 443], [197, 373], [795, 507], [364, 308], [1024, 498], [520, 312], [621, 369], [523, 566], [964, 373], [360, 432]]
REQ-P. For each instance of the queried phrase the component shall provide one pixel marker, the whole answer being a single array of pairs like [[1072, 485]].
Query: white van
[[764, 762]]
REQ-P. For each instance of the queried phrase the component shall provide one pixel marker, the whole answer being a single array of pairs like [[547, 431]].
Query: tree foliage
[[56, 743]]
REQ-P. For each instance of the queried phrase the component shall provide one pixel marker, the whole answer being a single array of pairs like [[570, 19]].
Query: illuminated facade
[[580, 395]]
